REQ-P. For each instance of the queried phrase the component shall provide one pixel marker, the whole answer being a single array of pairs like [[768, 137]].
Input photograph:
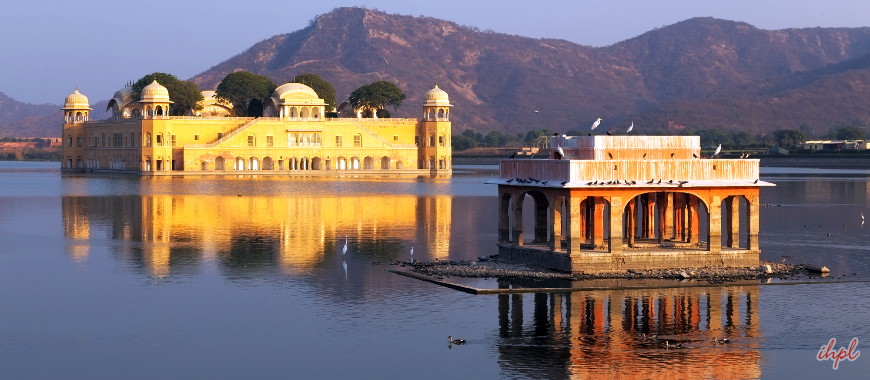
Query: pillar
[[753, 207], [598, 223], [582, 219], [504, 220], [555, 223], [576, 235], [714, 230], [693, 219], [732, 208], [630, 222], [541, 218], [662, 206], [679, 217], [517, 232], [669, 216], [616, 211], [649, 219]]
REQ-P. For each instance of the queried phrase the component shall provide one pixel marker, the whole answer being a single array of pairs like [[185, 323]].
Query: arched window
[[148, 139]]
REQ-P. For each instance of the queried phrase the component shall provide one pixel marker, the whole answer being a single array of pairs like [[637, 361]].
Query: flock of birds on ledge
[[531, 180]]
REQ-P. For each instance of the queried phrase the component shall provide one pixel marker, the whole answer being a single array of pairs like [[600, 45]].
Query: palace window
[[132, 139], [196, 137], [102, 140], [251, 141], [357, 140], [69, 141], [147, 139], [337, 140], [431, 140], [440, 140], [220, 135], [173, 140], [292, 139], [317, 140], [116, 139], [417, 140], [159, 140], [395, 138], [79, 141], [270, 140]]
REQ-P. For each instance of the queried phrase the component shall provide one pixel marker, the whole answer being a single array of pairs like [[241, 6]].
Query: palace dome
[[154, 92], [290, 88], [76, 101], [436, 95]]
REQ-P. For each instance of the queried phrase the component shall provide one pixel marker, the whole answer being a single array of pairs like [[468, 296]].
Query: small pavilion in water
[[613, 203]]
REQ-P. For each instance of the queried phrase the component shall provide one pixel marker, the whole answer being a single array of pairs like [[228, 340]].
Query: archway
[[316, 163], [400, 165], [254, 163], [385, 162], [315, 113], [354, 163], [368, 163], [304, 114], [680, 218], [303, 164], [239, 164], [504, 221], [268, 164], [537, 222], [341, 163], [219, 163]]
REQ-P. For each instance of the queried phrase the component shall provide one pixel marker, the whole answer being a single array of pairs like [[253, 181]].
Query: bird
[[563, 183], [588, 183], [747, 154], [630, 127], [512, 156], [412, 253], [694, 155], [609, 155], [644, 155], [671, 181], [609, 134], [659, 183], [536, 111], [510, 180], [718, 149], [756, 181], [595, 124], [544, 182], [455, 341], [672, 155], [633, 183], [561, 152], [590, 134], [532, 156], [862, 216], [651, 181], [596, 182], [344, 250]]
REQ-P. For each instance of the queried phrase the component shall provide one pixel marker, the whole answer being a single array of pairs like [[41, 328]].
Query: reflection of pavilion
[[597, 334], [256, 232], [629, 202]]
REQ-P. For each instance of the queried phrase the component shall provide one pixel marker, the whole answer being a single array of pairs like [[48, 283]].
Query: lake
[[113, 276]]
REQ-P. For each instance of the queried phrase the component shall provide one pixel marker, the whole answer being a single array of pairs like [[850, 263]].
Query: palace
[[613, 203], [293, 135]]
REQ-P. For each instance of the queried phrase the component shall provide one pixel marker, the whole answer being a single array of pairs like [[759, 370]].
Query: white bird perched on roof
[[630, 127], [344, 250], [719, 149], [595, 124], [561, 152]]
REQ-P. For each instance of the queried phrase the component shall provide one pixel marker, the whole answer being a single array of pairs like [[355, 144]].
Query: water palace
[[613, 203], [292, 135]]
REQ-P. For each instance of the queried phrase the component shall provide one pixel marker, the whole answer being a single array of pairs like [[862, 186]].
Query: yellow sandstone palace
[[293, 135]]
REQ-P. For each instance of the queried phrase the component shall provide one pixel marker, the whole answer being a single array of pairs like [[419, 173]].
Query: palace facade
[[293, 135]]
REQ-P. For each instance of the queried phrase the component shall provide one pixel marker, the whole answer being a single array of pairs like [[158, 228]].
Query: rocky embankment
[[491, 267]]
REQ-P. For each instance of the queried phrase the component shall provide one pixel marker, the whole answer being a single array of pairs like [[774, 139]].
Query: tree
[[241, 88], [496, 139], [851, 133], [807, 130], [575, 132], [743, 139], [184, 95], [788, 137], [323, 89], [377, 95], [463, 142]]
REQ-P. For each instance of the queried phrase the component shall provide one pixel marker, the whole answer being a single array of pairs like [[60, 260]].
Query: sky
[[49, 48]]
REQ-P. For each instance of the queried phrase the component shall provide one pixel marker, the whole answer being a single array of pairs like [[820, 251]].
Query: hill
[[701, 72]]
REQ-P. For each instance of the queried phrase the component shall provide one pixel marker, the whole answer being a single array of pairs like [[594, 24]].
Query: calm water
[[228, 278]]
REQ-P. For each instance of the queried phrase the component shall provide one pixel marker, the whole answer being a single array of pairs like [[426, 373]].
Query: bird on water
[[595, 124], [455, 341], [344, 250]]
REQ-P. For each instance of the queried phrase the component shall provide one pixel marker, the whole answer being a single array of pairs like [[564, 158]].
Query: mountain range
[[701, 73]]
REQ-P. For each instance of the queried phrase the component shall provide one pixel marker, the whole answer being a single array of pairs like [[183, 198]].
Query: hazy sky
[[49, 47]]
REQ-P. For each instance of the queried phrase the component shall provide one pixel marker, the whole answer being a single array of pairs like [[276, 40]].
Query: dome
[[124, 95], [76, 101], [290, 88], [154, 92], [436, 95]]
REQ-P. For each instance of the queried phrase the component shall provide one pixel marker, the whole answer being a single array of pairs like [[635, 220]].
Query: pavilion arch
[[268, 163], [341, 163], [400, 165], [354, 163], [254, 163], [540, 217], [385, 162], [368, 163], [304, 114], [158, 111], [239, 163], [219, 163], [315, 113], [292, 163], [316, 163], [304, 164]]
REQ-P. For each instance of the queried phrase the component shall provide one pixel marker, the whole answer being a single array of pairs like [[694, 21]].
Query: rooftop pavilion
[[612, 203]]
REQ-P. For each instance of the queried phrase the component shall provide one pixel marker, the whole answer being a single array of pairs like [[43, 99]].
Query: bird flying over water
[[595, 124], [718, 149], [630, 127], [344, 250]]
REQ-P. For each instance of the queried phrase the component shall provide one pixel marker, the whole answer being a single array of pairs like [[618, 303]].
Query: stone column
[[662, 206], [752, 226], [541, 218], [555, 223], [714, 230], [732, 207], [598, 223], [679, 217], [669, 216], [582, 216], [518, 221], [576, 235], [693, 219], [650, 224], [504, 220], [616, 211], [629, 224]]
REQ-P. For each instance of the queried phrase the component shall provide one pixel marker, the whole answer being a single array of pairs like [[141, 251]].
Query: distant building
[[835, 144], [293, 134]]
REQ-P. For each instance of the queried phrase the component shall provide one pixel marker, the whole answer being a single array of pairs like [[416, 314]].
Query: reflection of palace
[[598, 334], [292, 134], [292, 234]]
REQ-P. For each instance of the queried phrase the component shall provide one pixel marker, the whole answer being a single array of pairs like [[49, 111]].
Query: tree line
[[247, 93]]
